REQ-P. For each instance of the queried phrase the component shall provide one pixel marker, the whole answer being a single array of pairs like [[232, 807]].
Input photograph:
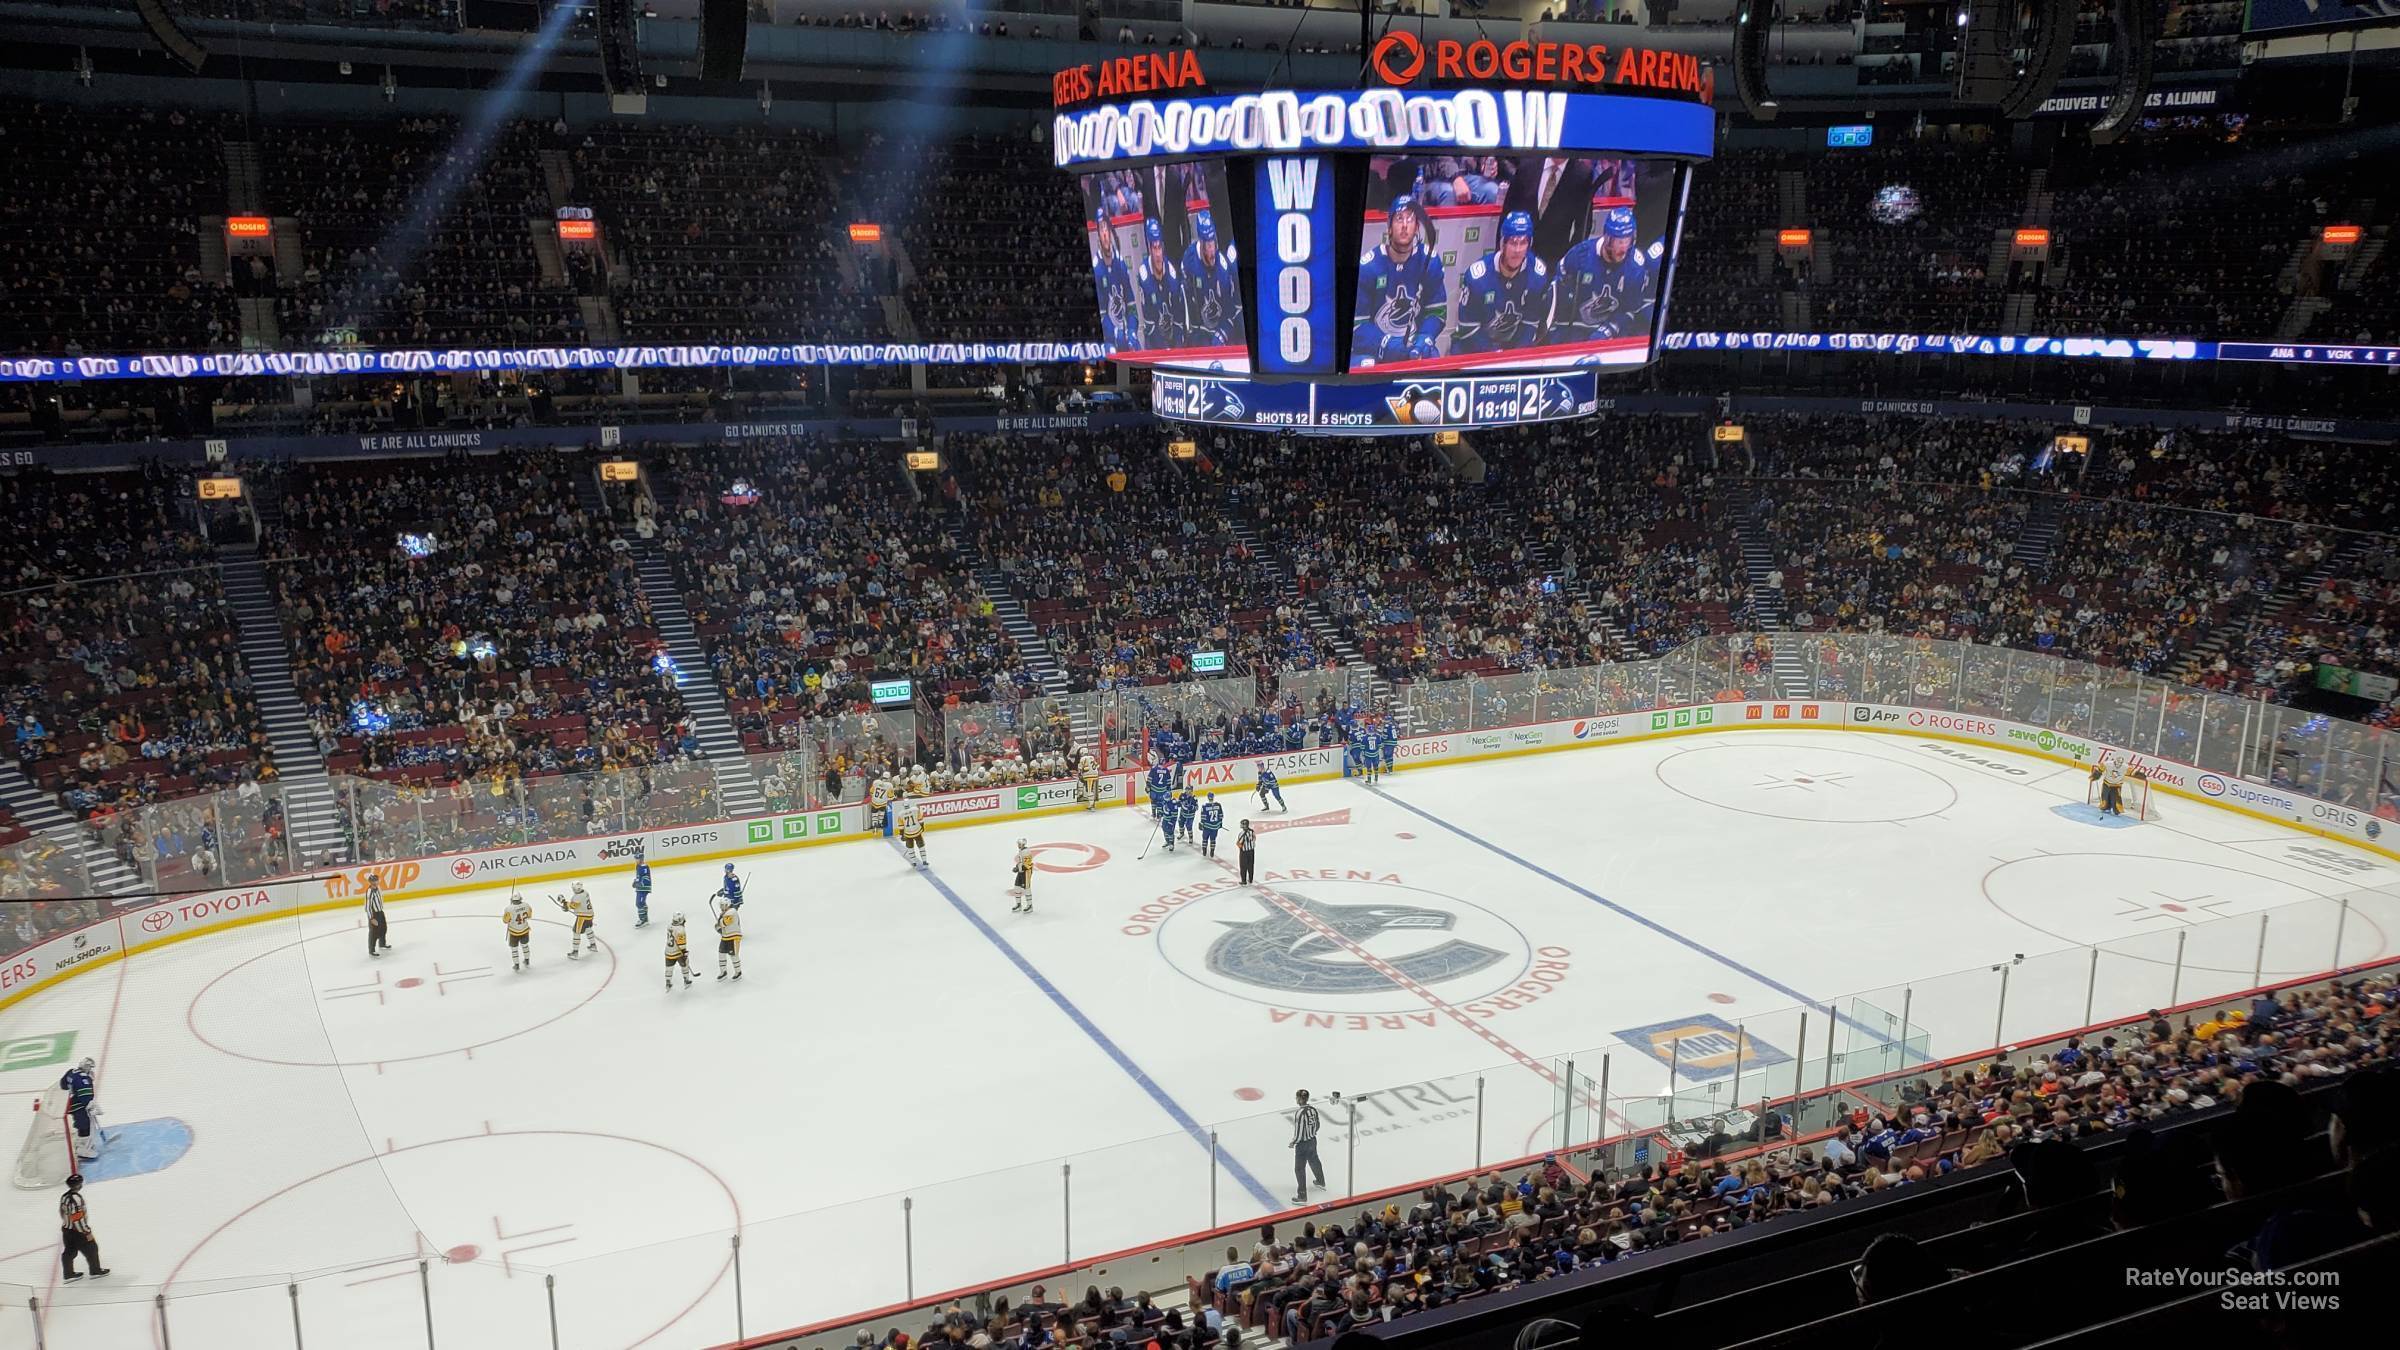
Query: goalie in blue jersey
[[1606, 287], [1403, 303]]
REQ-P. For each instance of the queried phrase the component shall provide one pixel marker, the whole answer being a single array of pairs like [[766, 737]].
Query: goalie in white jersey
[[908, 822]]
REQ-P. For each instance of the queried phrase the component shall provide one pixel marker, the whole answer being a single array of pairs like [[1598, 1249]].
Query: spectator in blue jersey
[[1234, 1271], [1403, 300]]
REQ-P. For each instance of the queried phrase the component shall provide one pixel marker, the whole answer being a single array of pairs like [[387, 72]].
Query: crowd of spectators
[[1122, 559], [994, 231], [121, 684], [810, 568], [1424, 573], [462, 621], [415, 232], [99, 232], [1490, 1233], [727, 233]]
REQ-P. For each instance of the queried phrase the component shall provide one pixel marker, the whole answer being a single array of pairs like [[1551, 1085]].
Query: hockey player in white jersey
[[517, 918], [908, 822], [579, 904], [729, 940], [1022, 886]]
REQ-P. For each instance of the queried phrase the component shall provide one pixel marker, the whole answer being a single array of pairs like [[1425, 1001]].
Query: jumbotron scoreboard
[[1391, 259]]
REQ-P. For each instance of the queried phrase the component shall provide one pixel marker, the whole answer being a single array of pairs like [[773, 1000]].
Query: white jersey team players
[[908, 822], [679, 953], [518, 918], [578, 903], [1021, 885], [729, 939]]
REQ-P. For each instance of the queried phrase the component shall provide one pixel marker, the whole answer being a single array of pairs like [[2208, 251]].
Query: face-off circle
[[2133, 905], [493, 1212], [1242, 944], [1818, 784], [321, 1002]]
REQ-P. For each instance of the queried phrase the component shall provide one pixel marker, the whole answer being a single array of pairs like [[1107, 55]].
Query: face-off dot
[[1720, 998], [410, 983], [462, 1253], [1248, 1094]]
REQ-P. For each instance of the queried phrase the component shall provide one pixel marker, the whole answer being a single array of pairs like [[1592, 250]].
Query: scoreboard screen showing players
[[1383, 261], [1493, 262], [1166, 265]]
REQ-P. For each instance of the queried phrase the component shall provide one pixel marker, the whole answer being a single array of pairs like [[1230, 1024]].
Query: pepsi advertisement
[[1474, 262], [1166, 266]]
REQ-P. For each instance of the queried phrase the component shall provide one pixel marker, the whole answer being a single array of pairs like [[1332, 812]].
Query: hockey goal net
[[2138, 802], [49, 1154]]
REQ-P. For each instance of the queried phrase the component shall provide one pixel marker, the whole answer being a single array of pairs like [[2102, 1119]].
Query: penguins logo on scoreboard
[[1418, 405]]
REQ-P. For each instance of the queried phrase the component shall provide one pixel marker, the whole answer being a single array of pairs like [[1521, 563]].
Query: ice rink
[[284, 1109]]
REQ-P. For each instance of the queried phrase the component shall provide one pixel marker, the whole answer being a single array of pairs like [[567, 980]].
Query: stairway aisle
[[737, 786], [312, 818], [1329, 638], [1766, 601], [1014, 621], [40, 813]]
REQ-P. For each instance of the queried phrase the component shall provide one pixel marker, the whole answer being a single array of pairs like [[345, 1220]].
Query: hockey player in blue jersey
[[641, 890], [1212, 819], [1161, 288], [731, 889], [1160, 784], [1212, 293], [81, 1112], [1266, 785], [1120, 326], [1505, 298], [1391, 747], [1402, 302], [1605, 287], [1187, 813], [1369, 743]]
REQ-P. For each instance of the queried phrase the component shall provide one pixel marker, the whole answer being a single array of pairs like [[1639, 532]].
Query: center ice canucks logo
[[1278, 951], [1397, 316]]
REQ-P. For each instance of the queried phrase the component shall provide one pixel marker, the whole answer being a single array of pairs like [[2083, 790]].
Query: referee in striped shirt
[[378, 928], [1304, 1146]]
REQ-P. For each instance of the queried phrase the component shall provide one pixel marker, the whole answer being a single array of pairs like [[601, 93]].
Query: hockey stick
[[1152, 839]]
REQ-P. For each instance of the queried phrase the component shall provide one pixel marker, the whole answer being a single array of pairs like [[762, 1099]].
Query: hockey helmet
[[1517, 225], [1619, 224], [676, 922], [1204, 227], [1151, 232], [1402, 203]]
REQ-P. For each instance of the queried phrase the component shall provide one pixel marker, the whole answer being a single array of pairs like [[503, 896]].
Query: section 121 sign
[[1293, 265]]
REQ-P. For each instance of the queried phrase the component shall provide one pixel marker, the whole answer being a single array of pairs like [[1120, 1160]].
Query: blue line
[[1652, 924], [1183, 1118]]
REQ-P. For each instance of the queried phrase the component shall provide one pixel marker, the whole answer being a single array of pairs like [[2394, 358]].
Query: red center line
[[1432, 999]]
